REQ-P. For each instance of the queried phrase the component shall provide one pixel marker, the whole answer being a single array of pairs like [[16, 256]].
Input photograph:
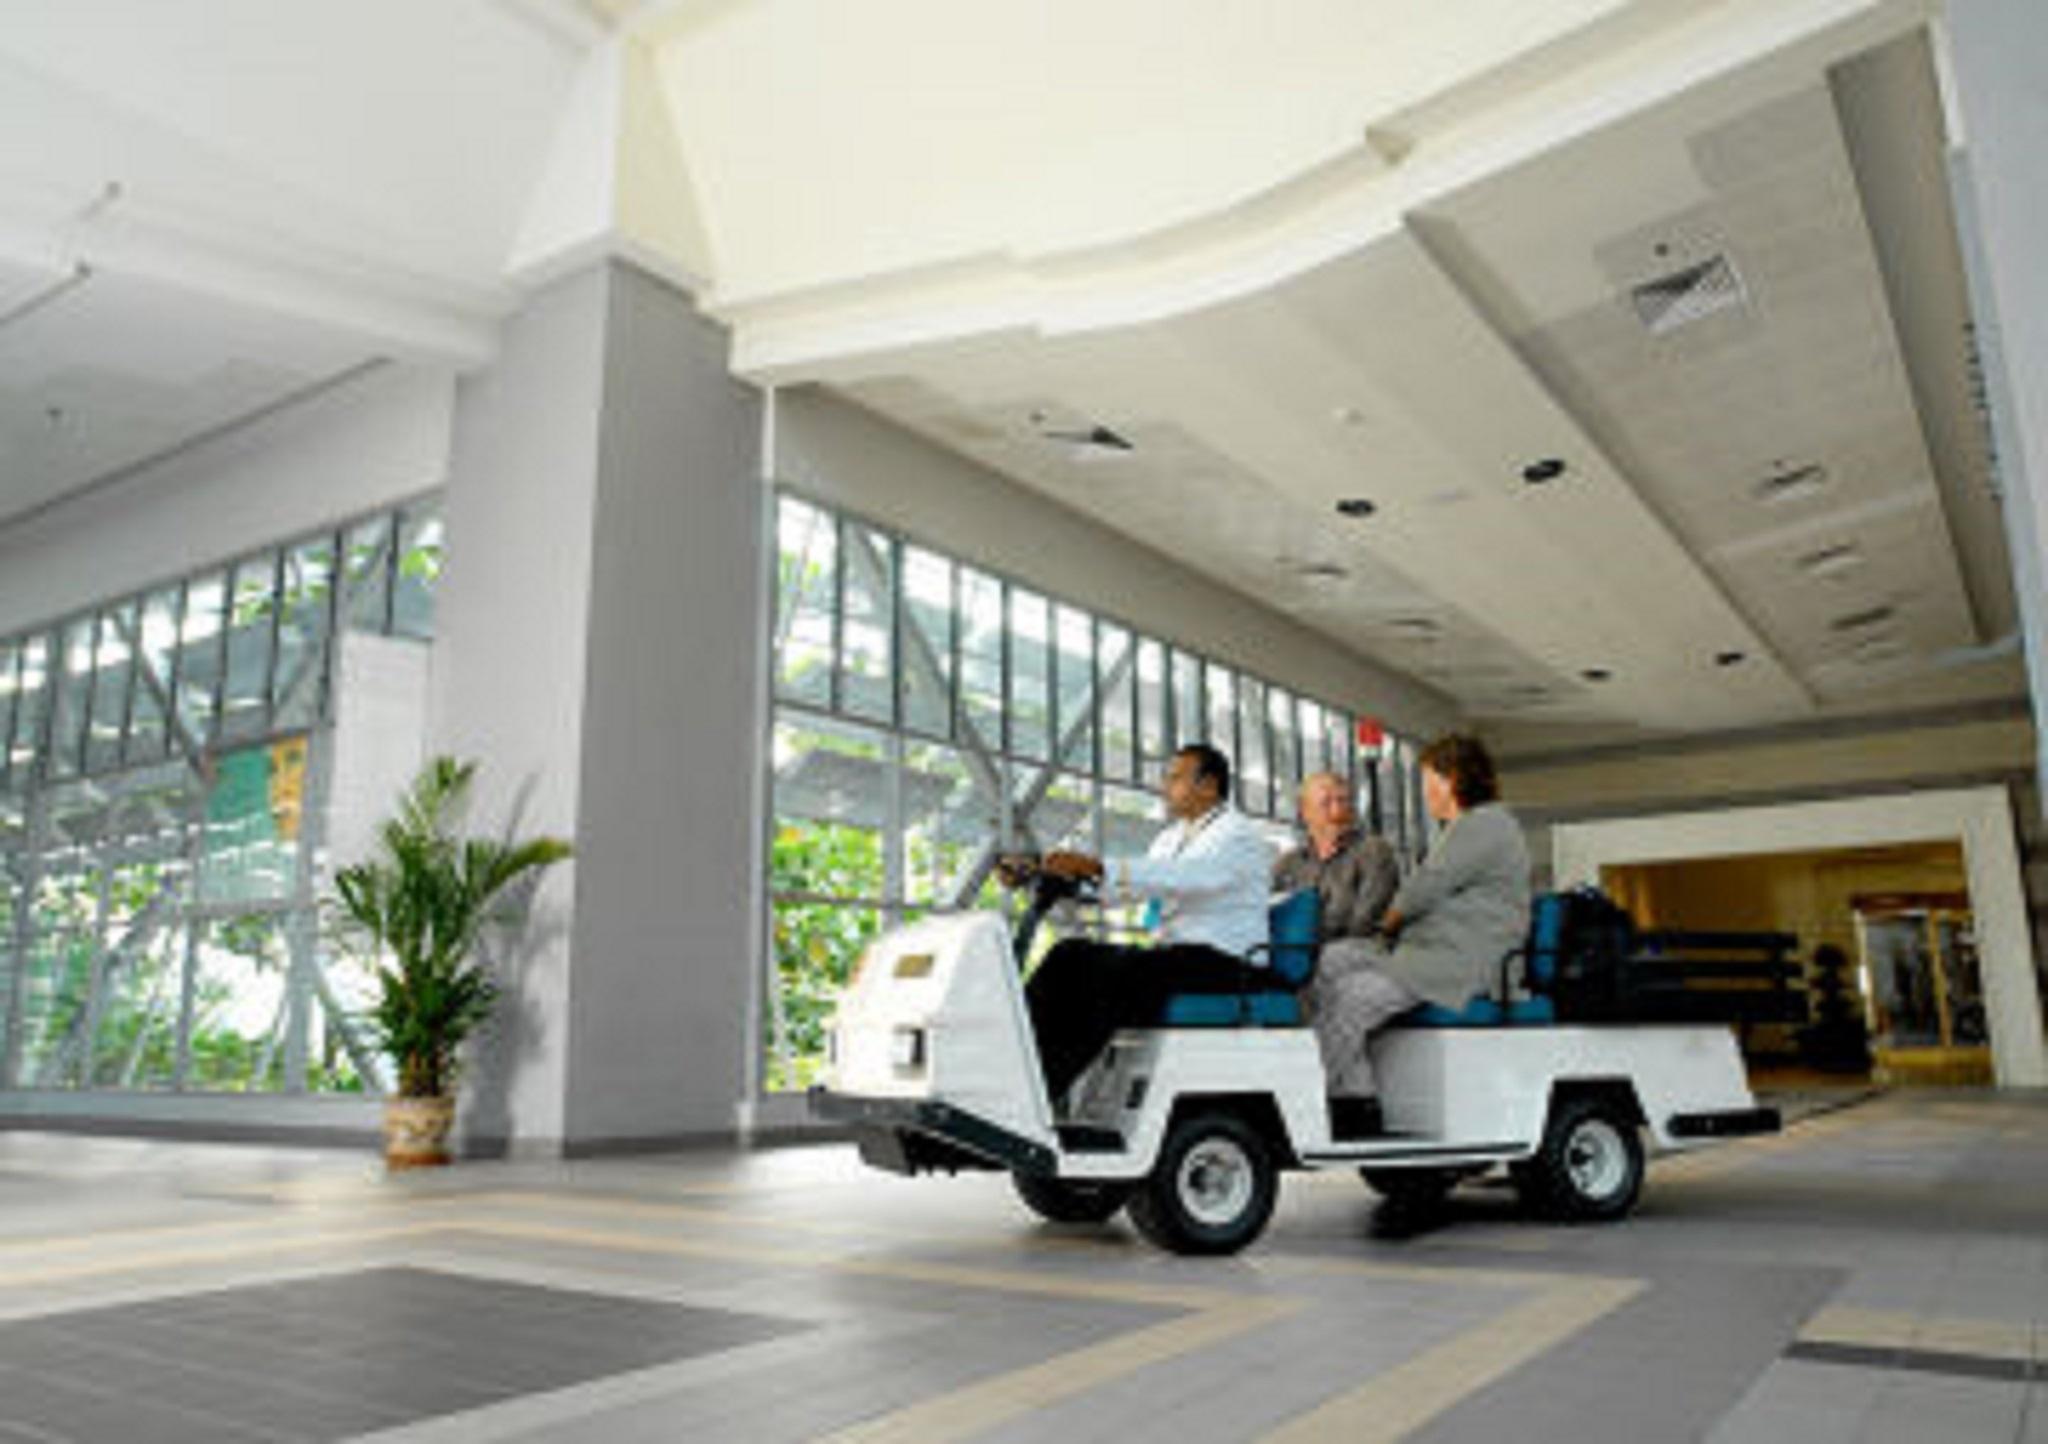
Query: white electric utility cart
[[934, 1067]]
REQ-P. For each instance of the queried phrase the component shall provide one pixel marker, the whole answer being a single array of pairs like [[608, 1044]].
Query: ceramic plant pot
[[416, 1132]]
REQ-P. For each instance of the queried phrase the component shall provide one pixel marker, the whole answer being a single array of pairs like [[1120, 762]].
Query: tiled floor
[[1880, 1272]]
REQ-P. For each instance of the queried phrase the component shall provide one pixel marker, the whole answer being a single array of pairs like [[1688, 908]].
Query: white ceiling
[[232, 201], [1426, 363], [228, 202]]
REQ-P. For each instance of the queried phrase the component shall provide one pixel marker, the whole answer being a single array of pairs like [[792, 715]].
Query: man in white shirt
[[1208, 872]]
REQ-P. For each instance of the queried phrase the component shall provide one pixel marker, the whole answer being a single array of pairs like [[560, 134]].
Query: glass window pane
[[1190, 706], [1340, 746], [927, 642], [1315, 756], [831, 809], [199, 646], [981, 658], [421, 553], [369, 575], [1030, 709], [302, 632], [239, 1005], [245, 703], [1286, 744], [1155, 736], [864, 635], [112, 674], [1254, 761], [1221, 688], [31, 702], [807, 562], [1118, 686], [252, 815], [158, 634], [1074, 677], [947, 821], [10, 685], [816, 945], [74, 669]]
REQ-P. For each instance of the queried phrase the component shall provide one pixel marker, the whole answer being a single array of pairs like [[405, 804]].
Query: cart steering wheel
[[1048, 890]]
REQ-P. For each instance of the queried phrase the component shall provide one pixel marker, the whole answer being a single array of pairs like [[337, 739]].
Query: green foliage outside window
[[817, 943]]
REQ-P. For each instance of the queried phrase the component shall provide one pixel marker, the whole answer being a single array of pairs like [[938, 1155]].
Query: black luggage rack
[[1679, 975], [1674, 975]]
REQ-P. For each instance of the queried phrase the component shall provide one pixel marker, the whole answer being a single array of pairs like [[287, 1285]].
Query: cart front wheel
[[1212, 1189]]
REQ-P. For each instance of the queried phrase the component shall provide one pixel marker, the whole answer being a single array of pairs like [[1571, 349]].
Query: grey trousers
[[1347, 999]]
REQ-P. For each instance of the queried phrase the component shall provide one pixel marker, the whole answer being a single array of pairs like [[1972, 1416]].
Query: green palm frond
[[422, 904]]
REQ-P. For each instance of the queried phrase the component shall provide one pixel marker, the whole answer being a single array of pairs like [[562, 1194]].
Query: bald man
[[1350, 995]]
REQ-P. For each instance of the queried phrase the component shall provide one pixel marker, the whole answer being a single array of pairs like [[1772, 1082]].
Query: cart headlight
[[907, 1048]]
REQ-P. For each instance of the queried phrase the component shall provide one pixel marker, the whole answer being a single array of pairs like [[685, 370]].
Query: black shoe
[[1352, 1117]]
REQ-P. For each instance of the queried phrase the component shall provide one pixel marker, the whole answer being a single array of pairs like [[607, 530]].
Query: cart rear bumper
[[1734, 1123]]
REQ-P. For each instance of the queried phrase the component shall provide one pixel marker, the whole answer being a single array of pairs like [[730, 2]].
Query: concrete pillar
[[597, 650], [1996, 75]]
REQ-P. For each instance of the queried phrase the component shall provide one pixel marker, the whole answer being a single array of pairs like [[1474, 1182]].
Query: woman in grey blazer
[[1445, 933], [1460, 912]]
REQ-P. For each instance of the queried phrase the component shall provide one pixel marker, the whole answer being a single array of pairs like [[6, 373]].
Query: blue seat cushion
[[1231, 1010], [1482, 1012]]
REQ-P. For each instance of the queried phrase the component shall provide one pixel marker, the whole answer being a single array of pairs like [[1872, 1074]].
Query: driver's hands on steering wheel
[[1078, 866]]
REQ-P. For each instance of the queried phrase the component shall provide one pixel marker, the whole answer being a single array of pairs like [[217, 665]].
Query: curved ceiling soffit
[[1396, 166]]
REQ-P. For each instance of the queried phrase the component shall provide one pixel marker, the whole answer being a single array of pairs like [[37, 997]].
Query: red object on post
[[1371, 734]]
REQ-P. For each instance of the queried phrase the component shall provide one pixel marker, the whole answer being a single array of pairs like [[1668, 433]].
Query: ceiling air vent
[[1665, 304], [1863, 621], [1792, 484], [1096, 440], [1831, 561]]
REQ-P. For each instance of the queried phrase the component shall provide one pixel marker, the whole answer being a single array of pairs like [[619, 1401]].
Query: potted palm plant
[[420, 905]]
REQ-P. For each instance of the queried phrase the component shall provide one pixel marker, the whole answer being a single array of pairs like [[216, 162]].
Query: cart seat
[[1295, 926], [1480, 1011]]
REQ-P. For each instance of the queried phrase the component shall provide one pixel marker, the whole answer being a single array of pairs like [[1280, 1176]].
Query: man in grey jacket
[[1446, 933]]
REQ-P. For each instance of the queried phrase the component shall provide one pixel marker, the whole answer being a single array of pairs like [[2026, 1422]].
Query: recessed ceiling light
[[1730, 659], [1356, 506], [1596, 674], [1547, 469], [1832, 561], [1321, 571], [1426, 626]]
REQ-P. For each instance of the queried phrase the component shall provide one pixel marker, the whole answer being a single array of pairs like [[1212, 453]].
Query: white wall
[[380, 736], [850, 458], [358, 446]]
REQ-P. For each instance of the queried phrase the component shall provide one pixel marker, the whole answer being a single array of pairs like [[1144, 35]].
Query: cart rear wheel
[[1590, 1167], [1212, 1189], [1064, 1200]]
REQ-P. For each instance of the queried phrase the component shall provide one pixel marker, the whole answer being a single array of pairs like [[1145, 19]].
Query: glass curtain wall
[[162, 788], [930, 715]]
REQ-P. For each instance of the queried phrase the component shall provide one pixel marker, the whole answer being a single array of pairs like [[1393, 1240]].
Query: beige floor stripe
[[1411, 1394], [978, 1408], [180, 1257]]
